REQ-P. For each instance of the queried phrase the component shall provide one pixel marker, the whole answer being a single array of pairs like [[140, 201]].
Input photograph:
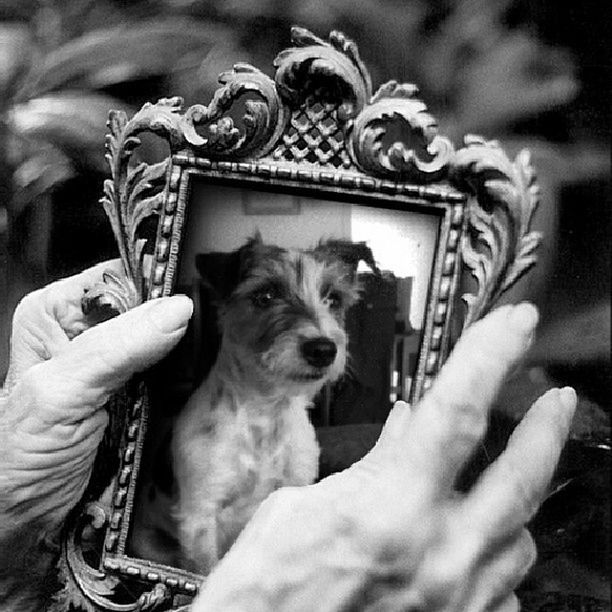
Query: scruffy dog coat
[[245, 431]]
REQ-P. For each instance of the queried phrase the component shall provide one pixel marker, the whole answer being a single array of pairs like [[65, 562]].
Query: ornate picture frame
[[315, 128]]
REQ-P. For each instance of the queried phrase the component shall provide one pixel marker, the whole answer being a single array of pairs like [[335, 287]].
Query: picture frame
[[314, 137]]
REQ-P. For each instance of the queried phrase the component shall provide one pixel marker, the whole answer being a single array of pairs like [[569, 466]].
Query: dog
[[245, 431]]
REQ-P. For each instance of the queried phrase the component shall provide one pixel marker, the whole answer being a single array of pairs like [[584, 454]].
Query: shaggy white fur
[[245, 431]]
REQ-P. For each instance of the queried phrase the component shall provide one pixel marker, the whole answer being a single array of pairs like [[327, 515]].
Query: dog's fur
[[245, 431]]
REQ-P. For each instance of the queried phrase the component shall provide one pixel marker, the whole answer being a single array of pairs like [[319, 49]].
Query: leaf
[[38, 174], [513, 79], [303, 37], [15, 52], [106, 57], [111, 296], [499, 248], [72, 122], [582, 337], [393, 89], [18, 10], [142, 197]]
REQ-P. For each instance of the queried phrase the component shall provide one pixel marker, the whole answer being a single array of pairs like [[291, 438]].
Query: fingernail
[[170, 314], [568, 397], [524, 318]]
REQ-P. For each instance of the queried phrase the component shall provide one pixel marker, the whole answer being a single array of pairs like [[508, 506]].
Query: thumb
[[102, 358]]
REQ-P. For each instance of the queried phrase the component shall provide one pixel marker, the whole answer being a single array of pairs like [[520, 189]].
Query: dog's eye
[[263, 297], [334, 300]]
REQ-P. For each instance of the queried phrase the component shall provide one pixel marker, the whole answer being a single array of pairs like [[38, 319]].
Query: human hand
[[390, 533], [52, 414]]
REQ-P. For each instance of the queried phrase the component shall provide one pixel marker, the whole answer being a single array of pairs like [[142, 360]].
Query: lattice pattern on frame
[[314, 135]]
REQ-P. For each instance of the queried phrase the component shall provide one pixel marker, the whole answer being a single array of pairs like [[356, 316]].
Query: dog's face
[[284, 318]]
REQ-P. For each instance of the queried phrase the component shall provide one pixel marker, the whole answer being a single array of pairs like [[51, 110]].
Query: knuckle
[[35, 384], [447, 576], [48, 389], [465, 418], [520, 494], [286, 498], [471, 420], [108, 348], [479, 540], [283, 507], [27, 306], [523, 496], [464, 425]]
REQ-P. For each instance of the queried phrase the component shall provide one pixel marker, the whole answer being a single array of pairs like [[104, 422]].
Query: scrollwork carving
[[498, 248], [263, 121], [418, 153], [315, 125], [90, 589], [84, 586], [314, 62], [131, 195]]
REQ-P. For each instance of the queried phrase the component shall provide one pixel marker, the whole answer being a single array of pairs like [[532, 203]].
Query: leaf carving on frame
[[314, 63], [90, 589], [76, 575], [395, 137], [320, 103], [499, 246], [262, 121], [133, 194]]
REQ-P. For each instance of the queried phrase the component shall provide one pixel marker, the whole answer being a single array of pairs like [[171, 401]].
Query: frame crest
[[315, 125]]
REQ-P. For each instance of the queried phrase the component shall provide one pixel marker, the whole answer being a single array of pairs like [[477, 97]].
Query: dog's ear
[[256, 239], [350, 253], [223, 272], [220, 272], [245, 255]]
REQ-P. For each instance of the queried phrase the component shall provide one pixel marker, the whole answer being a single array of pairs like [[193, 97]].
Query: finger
[[500, 574], [102, 358], [45, 320], [509, 492], [452, 416], [393, 434], [61, 300]]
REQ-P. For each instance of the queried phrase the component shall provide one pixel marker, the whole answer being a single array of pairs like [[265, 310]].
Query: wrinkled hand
[[390, 533], [61, 373]]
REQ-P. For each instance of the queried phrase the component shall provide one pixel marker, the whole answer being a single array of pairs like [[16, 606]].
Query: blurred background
[[525, 72]]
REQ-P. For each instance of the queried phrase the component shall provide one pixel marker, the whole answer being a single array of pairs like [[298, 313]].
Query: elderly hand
[[52, 415], [390, 533]]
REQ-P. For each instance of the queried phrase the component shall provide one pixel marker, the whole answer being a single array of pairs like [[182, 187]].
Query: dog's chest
[[260, 455], [266, 452]]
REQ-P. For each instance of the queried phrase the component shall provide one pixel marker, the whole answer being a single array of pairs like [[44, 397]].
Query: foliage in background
[[65, 62], [475, 68], [480, 65], [59, 74]]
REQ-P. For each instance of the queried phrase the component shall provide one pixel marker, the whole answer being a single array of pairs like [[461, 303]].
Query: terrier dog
[[245, 431]]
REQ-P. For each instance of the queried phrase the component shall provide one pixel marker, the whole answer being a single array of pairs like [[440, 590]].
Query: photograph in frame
[[385, 253]]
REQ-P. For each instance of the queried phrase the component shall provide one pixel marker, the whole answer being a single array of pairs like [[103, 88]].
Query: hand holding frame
[[52, 415], [389, 533]]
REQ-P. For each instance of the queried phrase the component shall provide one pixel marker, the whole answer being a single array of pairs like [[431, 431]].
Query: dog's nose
[[319, 352]]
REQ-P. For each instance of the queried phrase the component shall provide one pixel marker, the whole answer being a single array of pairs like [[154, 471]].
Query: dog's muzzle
[[319, 352]]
